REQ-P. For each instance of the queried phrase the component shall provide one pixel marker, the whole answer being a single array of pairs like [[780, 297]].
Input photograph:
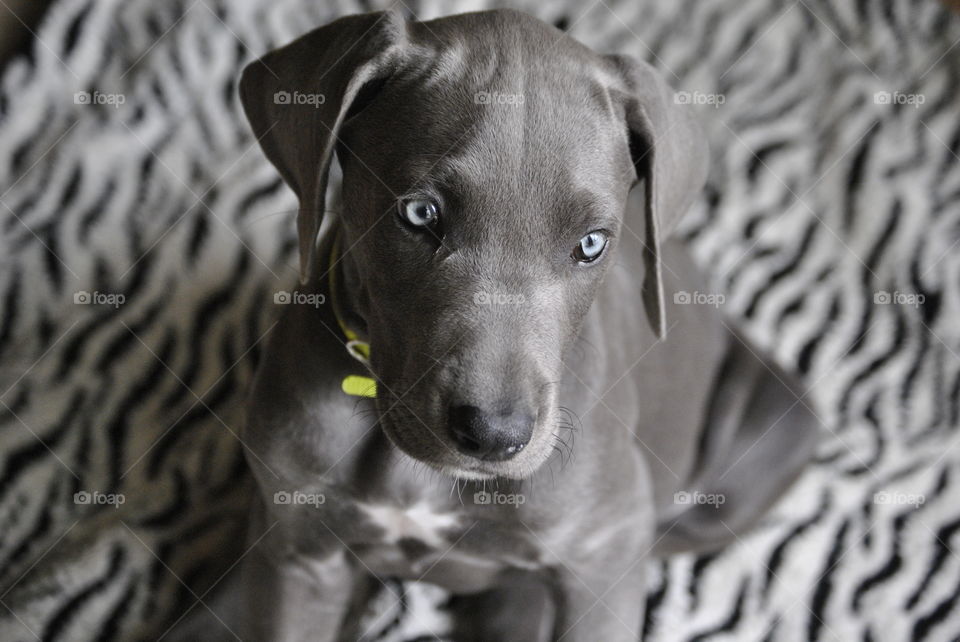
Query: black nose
[[488, 435]]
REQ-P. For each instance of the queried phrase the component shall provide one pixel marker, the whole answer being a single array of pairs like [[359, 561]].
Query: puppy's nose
[[490, 436]]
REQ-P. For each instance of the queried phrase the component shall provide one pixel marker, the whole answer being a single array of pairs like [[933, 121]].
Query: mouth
[[468, 475]]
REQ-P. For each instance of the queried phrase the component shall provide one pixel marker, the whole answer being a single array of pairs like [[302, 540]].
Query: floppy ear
[[297, 98], [670, 155]]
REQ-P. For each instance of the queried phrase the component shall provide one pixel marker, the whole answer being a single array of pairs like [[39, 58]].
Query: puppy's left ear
[[670, 155], [298, 97]]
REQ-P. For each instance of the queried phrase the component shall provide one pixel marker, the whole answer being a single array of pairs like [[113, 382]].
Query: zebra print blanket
[[144, 236]]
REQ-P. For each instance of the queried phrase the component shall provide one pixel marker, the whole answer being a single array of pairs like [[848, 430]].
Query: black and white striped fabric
[[144, 235]]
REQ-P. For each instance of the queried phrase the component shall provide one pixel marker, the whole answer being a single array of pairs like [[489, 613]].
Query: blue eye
[[590, 247], [419, 212]]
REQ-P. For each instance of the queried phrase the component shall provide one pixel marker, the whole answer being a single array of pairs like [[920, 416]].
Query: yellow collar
[[355, 385]]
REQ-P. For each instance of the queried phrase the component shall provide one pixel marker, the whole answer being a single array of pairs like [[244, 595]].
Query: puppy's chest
[[437, 542]]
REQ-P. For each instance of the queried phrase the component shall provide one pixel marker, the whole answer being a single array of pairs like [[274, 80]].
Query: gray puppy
[[503, 392]]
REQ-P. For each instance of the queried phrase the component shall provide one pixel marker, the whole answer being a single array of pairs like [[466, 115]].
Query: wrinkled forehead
[[486, 99]]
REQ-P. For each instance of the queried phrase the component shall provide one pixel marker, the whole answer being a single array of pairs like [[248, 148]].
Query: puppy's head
[[486, 160]]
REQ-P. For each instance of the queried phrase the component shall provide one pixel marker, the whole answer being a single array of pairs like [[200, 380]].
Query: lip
[[468, 474]]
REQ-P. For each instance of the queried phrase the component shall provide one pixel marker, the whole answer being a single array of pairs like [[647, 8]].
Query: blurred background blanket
[[144, 236]]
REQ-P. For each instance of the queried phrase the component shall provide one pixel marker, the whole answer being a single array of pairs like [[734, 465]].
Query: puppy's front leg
[[291, 595], [601, 602]]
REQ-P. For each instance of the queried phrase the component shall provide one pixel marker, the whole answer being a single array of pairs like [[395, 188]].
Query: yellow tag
[[359, 386]]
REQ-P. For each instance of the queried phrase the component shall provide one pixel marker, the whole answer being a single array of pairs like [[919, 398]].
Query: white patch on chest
[[419, 521]]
